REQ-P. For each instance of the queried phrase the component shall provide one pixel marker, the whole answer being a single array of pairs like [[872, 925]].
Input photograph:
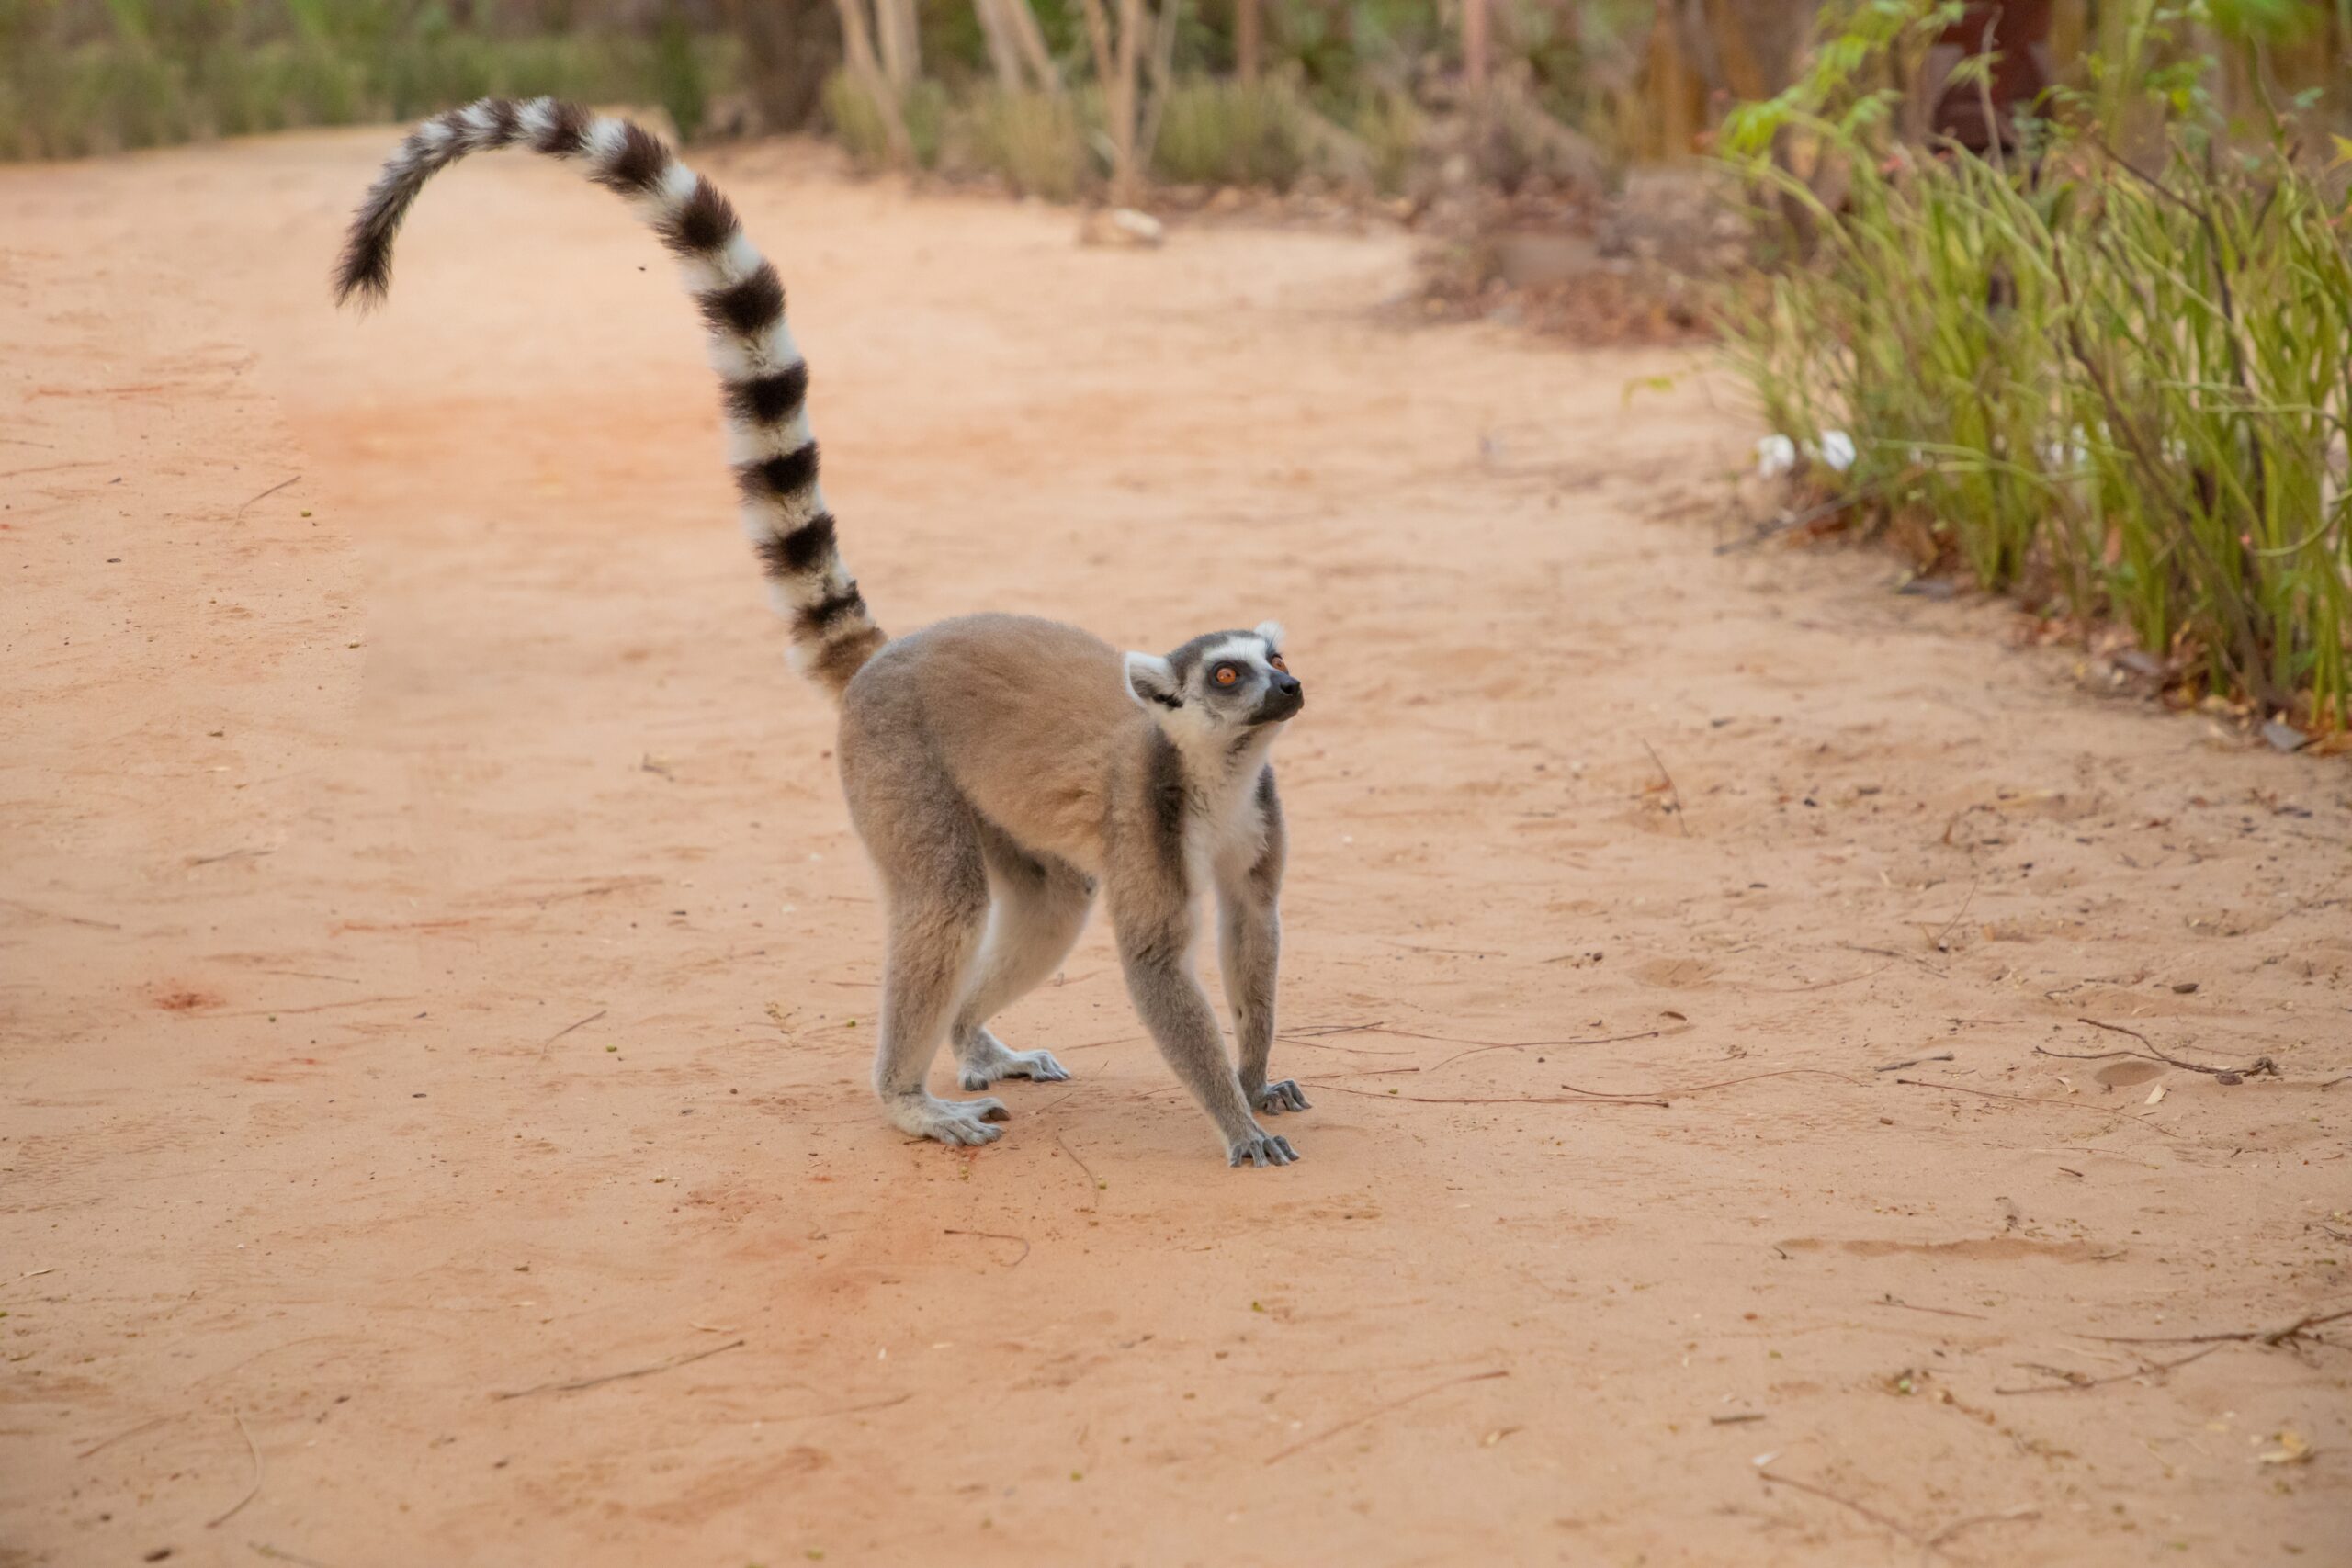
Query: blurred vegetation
[[2108, 368], [79, 77], [1367, 94]]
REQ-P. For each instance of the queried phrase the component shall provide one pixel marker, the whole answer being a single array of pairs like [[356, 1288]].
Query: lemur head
[[1233, 682]]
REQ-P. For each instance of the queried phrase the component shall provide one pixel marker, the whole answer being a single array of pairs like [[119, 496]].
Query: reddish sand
[[435, 965]]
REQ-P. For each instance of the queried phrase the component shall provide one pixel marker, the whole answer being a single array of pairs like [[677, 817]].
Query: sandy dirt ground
[[436, 973]]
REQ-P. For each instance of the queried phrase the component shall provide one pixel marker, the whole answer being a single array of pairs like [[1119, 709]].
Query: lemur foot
[[1261, 1149], [949, 1121], [1274, 1099], [1038, 1065]]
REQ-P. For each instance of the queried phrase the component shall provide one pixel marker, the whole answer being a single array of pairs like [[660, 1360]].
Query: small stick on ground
[[229, 855], [262, 1549], [1952, 924], [1592, 1096], [1495, 1098], [1486, 1045], [2295, 1330], [54, 915], [1383, 1410], [1940, 1312], [1093, 1184], [2260, 1065], [268, 494], [2031, 1100], [119, 1436], [846, 1409], [569, 1027], [1929, 1545], [2014, 1515], [1898, 957], [2076, 1380], [1529, 1044], [1883, 1521], [1735, 1420], [1752, 1077], [575, 1386], [251, 1492], [998, 1235], [1915, 1061], [1681, 817]]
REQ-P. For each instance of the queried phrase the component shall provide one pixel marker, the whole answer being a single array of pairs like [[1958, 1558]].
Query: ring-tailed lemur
[[997, 768]]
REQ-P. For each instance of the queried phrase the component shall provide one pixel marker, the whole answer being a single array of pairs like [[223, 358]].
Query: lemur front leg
[[1155, 930], [1250, 933]]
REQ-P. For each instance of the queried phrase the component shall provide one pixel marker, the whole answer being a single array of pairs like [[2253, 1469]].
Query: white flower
[[1775, 456]]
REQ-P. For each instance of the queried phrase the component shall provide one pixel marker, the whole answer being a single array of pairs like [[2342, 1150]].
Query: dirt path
[[435, 967]]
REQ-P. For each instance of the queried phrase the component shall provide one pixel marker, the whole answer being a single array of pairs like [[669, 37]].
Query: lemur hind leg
[[935, 897], [1037, 907]]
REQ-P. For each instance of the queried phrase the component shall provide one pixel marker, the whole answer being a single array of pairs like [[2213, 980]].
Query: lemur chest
[[1225, 830]]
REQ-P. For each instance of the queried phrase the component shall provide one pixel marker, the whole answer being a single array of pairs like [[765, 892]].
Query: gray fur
[[1250, 944], [999, 770]]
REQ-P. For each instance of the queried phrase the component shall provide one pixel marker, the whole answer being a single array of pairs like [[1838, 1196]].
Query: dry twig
[[1940, 1312], [998, 1235], [575, 1386], [54, 915], [1385, 1409], [1548, 1045], [1952, 924], [1681, 817], [1898, 957], [1580, 1098], [263, 1548], [2259, 1066], [268, 494], [2295, 1330], [2031, 1099], [251, 1492], [1929, 1545], [1094, 1183], [132, 1432], [2075, 1380], [569, 1027]]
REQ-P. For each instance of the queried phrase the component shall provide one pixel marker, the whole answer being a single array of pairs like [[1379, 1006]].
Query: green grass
[[1233, 133], [2117, 388], [76, 80]]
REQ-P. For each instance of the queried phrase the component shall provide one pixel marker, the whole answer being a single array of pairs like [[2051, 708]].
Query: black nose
[[1287, 684]]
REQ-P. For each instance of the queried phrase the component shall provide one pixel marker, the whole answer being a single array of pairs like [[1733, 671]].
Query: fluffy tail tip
[[364, 274]]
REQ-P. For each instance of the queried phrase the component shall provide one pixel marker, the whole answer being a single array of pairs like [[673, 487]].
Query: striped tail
[[763, 377]]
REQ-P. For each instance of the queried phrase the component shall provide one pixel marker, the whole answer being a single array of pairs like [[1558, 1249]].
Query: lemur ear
[[1151, 681], [1272, 631]]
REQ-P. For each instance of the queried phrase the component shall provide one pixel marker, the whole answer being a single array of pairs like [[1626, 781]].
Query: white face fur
[[1217, 688]]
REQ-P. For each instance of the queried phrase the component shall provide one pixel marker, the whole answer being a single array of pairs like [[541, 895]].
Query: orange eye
[[1276, 660], [1227, 674]]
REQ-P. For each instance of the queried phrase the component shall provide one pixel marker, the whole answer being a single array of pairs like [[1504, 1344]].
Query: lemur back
[[1031, 718], [999, 769]]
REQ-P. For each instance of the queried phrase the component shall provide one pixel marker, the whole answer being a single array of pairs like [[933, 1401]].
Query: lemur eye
[[1276, 660], [1227, 674]]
